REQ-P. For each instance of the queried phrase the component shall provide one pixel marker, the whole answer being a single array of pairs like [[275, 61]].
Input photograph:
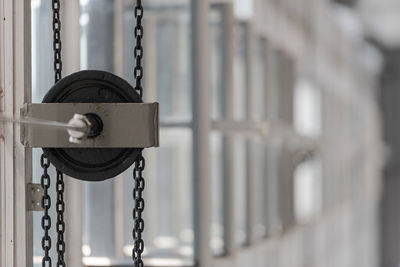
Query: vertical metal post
[[250, 161], [227, 83], [286, 191], [201, 130], [272, 100], [7, 198], [119, 181], [150, 94], [73, 188], [22, 93]]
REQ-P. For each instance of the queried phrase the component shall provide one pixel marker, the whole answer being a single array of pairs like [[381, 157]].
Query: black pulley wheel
[[92, 164]]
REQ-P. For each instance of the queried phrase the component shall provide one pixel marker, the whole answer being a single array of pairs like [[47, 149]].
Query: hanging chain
[[57, 40], [138, 53], [60, 206], [46, 203], [138, 209]]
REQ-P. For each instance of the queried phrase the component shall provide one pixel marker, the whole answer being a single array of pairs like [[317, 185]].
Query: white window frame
[[16, 163]]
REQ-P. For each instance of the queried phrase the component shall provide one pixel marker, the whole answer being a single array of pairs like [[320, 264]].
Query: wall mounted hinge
[[34, 197]]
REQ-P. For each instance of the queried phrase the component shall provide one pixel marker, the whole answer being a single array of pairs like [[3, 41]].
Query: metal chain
[[138, 53], [60, 205], [46, 203], [57, 40], [138, 209]]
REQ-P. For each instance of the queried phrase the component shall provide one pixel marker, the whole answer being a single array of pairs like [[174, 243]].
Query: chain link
[[57, 40], [138, 246], [46, 203], [138, 229], [138, 52], [60, 207]]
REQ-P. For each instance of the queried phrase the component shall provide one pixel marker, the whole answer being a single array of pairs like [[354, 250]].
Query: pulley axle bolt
[[96, 125], [84, 126]]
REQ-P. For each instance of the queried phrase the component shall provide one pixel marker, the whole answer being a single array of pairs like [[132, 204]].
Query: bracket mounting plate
[[125, 125], [34, 197]]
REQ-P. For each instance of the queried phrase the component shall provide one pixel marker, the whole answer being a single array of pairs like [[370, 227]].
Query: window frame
[[16, 164]]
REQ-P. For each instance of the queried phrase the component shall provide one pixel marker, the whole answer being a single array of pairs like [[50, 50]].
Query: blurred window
[[240, 91], [243, 9], [307, 109], [308, 190]]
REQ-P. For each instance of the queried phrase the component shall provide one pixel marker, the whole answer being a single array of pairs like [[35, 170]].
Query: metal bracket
[[125, 125], [34, 197]]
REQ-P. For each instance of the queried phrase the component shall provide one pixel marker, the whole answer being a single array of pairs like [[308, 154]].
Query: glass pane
[[240, 178], [308, 189], [217, 230], [243, 9], [97, 52], [260, 194], [258, 96], [167, 68], [216, 64], [307, 109], [42, 49], [272, 82], [98, 219], [42, 80], [274, 224], [240, 73], [97, 48], [168, 195]]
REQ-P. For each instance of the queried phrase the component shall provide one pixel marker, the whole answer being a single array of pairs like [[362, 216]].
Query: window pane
[[167, 69], [168, 195], [42, 80], [308, 189], [42, 49], [98, 219], [239, 172], [216, 70], [240, 73], [274, 223], [243, 9], [260, 194], [272, 82], [97, 52], [217, 230], [307, 109], [258, 109]]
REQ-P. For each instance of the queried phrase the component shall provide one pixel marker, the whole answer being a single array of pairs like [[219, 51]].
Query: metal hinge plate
[[34, 197]]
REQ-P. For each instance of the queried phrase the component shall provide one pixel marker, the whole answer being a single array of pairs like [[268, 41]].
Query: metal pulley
[[118, 125]]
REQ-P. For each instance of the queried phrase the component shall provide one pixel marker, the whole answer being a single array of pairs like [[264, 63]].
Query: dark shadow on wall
[[390, 203]]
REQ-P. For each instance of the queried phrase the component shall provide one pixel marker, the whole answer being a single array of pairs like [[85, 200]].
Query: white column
[[228, 181], [201, 130]]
